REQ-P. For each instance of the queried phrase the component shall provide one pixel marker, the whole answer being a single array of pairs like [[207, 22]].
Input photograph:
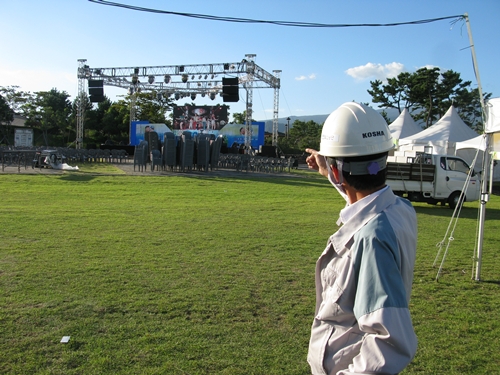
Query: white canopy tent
[[404, 126], [478, 142], [467, 150], [442, 136], [492, 132]]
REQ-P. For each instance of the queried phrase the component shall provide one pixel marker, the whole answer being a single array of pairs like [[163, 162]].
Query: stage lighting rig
[[179, 80]]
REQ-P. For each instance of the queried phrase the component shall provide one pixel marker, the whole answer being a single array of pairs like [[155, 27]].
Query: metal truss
[[180, 81], [82, 96], [275, 113]]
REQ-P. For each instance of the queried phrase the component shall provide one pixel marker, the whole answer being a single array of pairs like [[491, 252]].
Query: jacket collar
[[367, 209]]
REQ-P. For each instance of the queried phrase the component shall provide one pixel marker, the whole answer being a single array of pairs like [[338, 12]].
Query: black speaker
[[96, 91], [97, 98], [230, 90], [96, 82]]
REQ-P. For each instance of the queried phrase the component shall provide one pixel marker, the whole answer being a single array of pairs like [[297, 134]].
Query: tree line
[[427, 93], [52, 115]]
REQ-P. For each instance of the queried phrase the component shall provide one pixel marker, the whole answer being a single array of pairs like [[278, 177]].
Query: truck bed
[[411, 171]]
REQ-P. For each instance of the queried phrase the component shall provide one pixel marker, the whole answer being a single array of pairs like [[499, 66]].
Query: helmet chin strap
[[335, 177]]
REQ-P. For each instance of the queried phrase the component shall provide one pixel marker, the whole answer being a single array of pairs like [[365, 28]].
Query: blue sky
[[321, 68]]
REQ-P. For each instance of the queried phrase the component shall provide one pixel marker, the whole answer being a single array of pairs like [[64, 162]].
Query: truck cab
[[431, 178]]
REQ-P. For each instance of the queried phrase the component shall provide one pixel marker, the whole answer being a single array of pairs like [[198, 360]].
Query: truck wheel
[[454, 200]]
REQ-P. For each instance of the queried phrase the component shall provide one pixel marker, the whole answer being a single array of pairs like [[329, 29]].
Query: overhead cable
[[279, 23]]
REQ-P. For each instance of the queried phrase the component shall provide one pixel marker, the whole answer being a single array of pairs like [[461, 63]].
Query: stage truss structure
[[180, 81]]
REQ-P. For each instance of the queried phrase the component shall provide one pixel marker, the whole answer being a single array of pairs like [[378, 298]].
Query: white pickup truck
[[422, 177]]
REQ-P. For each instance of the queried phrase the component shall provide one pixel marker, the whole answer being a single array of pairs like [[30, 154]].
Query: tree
[[6, 118], [302, 135], [393, 95], [50, 111], [94, 121], [428, 94], [116, 122], [15, 98], [153, 107], [241, 118], [6, 113]]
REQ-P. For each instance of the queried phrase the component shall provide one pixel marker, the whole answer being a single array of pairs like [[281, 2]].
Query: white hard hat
[[355, 130]]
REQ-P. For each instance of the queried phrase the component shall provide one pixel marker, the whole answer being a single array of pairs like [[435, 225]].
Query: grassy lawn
[[209, 275]]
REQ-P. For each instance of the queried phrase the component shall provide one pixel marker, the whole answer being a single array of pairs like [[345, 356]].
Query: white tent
[[467, 150], [442, 136], [478, 142], [404, 126]]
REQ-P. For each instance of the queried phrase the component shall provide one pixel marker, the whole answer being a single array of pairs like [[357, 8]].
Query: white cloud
[[428, 67], [303, 78], [376, 71]]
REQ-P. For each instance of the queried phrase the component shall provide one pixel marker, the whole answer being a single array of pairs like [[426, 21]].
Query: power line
[[279, 23]]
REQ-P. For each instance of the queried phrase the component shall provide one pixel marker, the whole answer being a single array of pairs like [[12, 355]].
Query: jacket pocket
[[329, 308], [343, 345]]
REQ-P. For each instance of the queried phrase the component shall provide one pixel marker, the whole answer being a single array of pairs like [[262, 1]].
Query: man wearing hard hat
[[364, 276]]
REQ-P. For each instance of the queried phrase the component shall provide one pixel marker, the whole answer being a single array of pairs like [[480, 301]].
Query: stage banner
[[235, 133]]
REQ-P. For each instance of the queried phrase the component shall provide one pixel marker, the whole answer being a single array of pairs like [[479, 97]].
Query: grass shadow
[[466, 212], [491, 282], [73, 177]]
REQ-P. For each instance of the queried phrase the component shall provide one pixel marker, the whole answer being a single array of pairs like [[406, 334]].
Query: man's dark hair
[[366, 181]]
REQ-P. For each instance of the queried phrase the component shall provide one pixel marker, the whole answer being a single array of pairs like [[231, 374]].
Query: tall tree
[[153, 106], [6, 118], [94, 121], [241, 118], [302, 135], [15, 98], [394, 94], [50, 112], [116, 122], [428, 94], [6, 113]]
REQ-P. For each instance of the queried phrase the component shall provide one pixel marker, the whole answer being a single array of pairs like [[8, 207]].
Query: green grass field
[[209, 275]]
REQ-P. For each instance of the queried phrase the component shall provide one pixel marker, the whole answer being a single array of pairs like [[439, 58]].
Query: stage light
[[213, 76], [206, 76], [151, 79], [192, 77], [212, 95], [193, 96], [202, 94], [166, 79], [185, 78], [177, 96], [199, 77]]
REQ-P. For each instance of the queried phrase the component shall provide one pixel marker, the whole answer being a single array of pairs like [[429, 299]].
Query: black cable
[[279, 23]]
